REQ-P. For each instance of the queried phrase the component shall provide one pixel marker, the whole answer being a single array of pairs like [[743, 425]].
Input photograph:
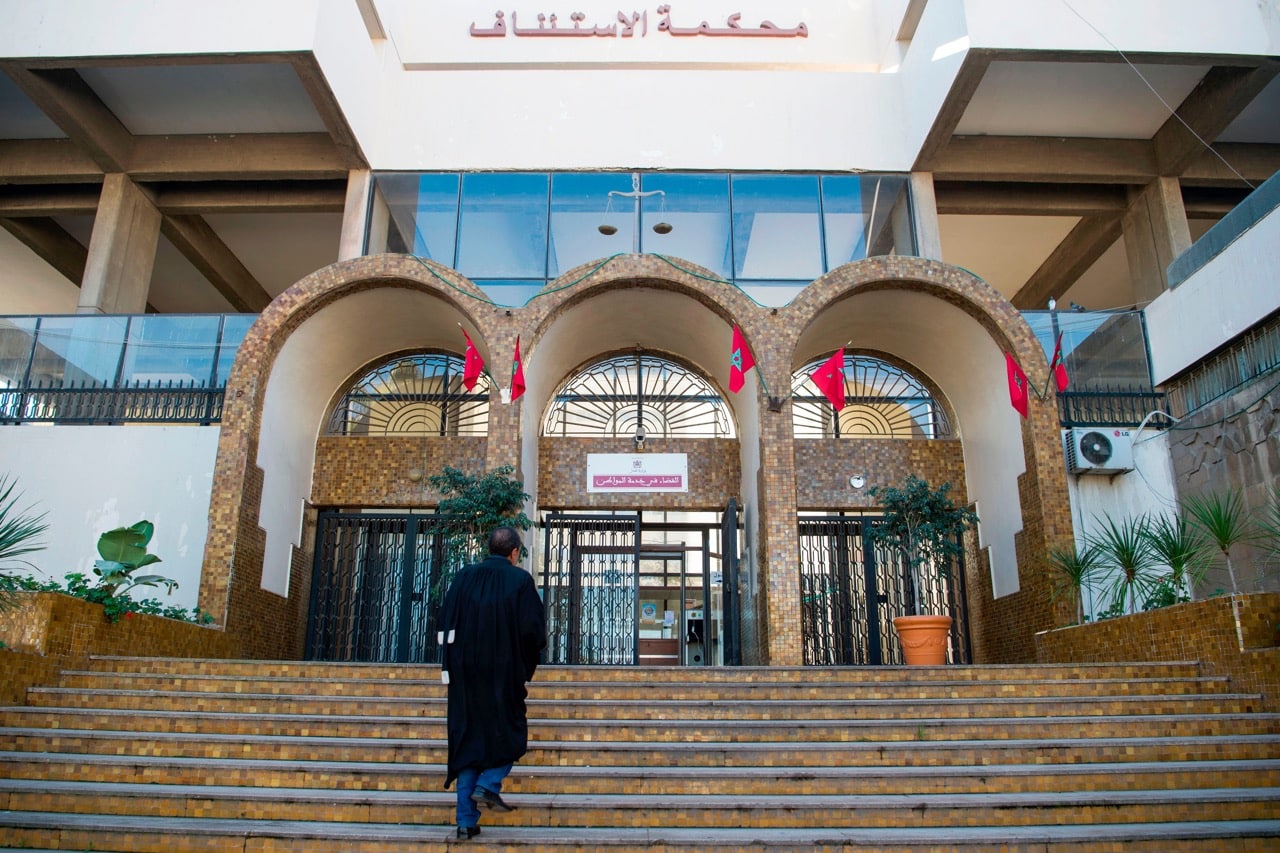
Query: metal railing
[[1112, 407], [87, 403]]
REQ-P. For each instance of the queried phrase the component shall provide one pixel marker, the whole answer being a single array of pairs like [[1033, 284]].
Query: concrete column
[[355, 214], [122, 250], [1155, 232], [924, 217]]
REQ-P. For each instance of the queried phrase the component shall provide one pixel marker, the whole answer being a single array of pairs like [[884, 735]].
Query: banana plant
[[123, 552]]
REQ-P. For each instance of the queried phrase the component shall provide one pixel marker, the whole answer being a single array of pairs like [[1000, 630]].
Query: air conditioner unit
[[1099, 451]]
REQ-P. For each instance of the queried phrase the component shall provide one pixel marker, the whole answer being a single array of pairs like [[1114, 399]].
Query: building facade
[[301, 214]]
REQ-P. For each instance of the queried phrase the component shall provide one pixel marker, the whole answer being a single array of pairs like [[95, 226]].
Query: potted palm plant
[[925, 527]]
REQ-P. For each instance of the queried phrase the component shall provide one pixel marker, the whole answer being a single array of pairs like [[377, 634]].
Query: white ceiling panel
[[192, 99], [1002, 250], [1105, 100]]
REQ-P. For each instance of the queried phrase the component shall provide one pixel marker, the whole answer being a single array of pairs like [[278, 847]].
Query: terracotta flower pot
[[923, 638]]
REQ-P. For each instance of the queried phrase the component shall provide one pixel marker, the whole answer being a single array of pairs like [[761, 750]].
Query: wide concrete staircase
[[144, 754]]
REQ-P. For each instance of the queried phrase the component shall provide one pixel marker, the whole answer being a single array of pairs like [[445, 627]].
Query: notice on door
[[637, 472]]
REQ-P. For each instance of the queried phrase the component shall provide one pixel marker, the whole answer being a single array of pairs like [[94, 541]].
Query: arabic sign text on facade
[[637, 472]]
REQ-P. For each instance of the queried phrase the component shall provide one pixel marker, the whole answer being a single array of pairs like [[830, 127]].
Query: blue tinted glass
[[436, 219], [697, 209], [504, 226], [775, 227], [164, 349], [580, 204], [865, 216], [78, 351], [234, 328], [511, 292]]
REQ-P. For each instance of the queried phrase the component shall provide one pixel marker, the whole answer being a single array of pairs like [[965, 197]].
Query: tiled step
[[717, 811], [162, 835], [904, 687], [620, 779], [640, 674], [595, 729], [689, 754], [705, 708]]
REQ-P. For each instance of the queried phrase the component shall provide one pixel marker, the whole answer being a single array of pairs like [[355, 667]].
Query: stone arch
[[292, 359], [929, 313]]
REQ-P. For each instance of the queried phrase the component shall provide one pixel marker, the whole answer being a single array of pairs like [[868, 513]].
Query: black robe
[[493, 632]]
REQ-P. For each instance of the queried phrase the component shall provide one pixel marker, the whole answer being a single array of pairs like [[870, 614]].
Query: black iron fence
[[1112, 407], [91, 403]]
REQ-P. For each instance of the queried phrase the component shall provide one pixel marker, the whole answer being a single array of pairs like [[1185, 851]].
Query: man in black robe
[[492, 630]]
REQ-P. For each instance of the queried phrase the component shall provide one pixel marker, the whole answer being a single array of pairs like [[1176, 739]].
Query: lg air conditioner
[[1096, 450]]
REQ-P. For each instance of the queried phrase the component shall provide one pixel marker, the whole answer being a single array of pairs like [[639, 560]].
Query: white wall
[[92, 479], [1187, 323]]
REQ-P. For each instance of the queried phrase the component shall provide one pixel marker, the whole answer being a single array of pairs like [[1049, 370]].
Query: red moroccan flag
[[1057, 366], [740, 361], [1018, 394], [517, 374], [830, 379], [472, 365]]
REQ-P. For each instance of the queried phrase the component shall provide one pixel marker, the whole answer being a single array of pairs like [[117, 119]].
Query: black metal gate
[[376, 583], [850, 591]]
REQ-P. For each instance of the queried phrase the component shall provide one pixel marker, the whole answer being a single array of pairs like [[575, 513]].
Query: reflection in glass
[[435, 222], [17, 337], [79, 351], [865, 216], [503, 228], [170, 349], [580, 204], [697, 208], [234, 328], [775, 227]]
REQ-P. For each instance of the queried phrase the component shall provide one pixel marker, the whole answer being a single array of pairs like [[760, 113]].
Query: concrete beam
[[1234, 165], [42, 161], [25, 201], [948, 118], [1217, 100], [68, 101], [264, 156], [322, 98], [51, 242], [1078, 251], [1057, 160], [180, 198], [192, 236], [981, 198]]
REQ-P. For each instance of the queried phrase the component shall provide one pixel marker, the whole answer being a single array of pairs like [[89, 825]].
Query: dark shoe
[[468, 831], [490, 800]]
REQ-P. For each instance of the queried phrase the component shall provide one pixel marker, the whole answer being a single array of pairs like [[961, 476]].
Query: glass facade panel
[[1102, 350], [503, 225], [864, 216], [169, 349], [580, 204], [435, 232], [17, 337], [776, 232], [78, 351], [234, 328], [697, 209]]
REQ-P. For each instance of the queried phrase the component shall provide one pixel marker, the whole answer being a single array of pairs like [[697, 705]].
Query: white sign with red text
[[637, 472]]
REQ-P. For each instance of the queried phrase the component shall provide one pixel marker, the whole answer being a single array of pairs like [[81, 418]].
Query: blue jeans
[[469, 778]]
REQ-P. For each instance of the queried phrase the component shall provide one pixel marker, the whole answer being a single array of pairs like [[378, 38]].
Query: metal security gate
[[376, 583], [850, 592], [635, 589]]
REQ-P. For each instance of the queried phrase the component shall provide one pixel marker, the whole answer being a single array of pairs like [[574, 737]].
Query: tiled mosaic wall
[[48, 632], [388, 471], [1202, 631], [824, 466], [714, 473]]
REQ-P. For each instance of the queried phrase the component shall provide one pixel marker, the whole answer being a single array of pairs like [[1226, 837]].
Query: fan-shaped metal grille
[[881, 401], [616, 396], [413, 395]]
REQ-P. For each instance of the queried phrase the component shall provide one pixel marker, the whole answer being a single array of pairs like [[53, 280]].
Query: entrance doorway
[[646, 588]]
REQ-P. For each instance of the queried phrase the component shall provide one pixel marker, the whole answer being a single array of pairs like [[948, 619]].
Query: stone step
[[635, 674], [650, 810], [906, 688], [432, 725], [705, 708], [633, 780], [619, 752], [55, 830]]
